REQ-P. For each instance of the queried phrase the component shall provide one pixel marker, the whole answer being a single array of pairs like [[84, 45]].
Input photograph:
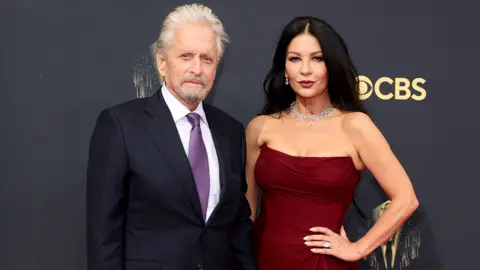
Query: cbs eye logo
[[387, 88]]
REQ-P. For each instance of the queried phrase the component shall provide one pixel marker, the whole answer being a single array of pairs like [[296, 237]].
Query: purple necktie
[[197, 156]]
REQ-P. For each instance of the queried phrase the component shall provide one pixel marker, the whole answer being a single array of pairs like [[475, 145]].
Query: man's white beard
[[193, 95]]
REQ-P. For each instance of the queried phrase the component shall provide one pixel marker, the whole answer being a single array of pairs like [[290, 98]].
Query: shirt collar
[[177, 109]]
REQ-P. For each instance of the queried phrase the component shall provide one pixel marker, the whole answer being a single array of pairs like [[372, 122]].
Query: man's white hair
[[191, 13]]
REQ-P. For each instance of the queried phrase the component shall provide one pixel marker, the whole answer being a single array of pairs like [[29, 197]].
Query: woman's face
[[305, 68]]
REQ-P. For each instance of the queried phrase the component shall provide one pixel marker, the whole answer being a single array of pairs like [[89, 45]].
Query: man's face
[[190, 63]]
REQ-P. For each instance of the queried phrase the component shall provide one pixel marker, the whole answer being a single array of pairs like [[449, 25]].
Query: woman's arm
[[253, 150], [377, 156]]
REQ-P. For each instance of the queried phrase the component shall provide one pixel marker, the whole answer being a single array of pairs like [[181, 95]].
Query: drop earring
[[286, 80]]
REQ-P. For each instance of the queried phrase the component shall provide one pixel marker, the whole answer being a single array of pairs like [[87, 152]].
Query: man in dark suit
[[166, 174]]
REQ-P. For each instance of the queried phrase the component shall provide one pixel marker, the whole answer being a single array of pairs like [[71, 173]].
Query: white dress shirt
[[179, 113]]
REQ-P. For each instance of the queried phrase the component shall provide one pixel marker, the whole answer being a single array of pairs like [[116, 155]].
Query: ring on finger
[[326, 245]]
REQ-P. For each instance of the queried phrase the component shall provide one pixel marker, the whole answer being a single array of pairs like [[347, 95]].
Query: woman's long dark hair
[[342, 75]]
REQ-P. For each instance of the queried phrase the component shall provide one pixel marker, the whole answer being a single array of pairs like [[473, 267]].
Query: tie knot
[[194, 119]]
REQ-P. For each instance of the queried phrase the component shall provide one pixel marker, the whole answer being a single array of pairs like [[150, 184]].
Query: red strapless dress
[[300, 193]]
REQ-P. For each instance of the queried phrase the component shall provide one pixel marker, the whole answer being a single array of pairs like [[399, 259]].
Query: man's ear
[[161, 61]]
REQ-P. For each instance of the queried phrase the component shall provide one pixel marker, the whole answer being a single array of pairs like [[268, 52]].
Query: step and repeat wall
[[62, 62]]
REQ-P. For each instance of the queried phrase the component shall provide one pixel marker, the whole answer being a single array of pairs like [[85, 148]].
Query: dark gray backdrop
[[63, 61]]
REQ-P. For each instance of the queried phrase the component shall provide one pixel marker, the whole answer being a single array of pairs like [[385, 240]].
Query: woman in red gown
[[306, 151]]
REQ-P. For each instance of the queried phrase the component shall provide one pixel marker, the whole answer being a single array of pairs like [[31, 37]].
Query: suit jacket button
[[199, 267]]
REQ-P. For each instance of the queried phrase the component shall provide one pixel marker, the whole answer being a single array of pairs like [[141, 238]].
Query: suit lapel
[[222, 146], [164, 132]]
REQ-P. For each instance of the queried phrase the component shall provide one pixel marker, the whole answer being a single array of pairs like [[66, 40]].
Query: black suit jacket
[[143, 211]]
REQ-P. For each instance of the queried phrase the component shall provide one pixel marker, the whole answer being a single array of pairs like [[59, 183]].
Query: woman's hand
[[330, 243]]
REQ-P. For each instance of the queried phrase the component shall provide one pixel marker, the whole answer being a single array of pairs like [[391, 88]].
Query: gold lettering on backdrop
[[388, 88], [400, 249]]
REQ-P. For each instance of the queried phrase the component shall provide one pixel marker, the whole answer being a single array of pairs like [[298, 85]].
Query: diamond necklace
[[313, 117]]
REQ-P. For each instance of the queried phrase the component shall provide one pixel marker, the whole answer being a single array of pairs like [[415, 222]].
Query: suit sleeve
[[106, 177], [243, 234]]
